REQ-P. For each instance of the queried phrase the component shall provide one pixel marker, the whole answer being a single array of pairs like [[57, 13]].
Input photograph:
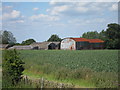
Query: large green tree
[[6, 37], [113, 36], [91, 35], [54, 38], [28, 42]]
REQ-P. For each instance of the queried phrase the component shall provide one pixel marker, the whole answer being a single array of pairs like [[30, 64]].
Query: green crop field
[[89, 68]]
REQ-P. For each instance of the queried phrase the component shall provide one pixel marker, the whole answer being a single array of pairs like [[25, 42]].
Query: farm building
[[46, 45], [96, 44], [22, 47], [81, 43], [4, 46]]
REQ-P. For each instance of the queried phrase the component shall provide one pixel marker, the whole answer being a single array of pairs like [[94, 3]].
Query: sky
[[39, 20]]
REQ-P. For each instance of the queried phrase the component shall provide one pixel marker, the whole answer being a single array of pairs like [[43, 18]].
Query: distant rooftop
[[87, 40]]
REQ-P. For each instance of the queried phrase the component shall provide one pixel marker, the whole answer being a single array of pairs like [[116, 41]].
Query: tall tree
[[7, 37], [28, 42], [102, 35], [91, 35], [113, 36], [53, 38]]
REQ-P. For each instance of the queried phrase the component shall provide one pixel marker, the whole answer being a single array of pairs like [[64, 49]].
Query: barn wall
[[68, 44], [82, 45], [96, 45]]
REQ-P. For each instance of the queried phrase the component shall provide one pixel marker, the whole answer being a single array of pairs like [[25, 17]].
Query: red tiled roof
[[95, 41], [80, 39], [88, 40]]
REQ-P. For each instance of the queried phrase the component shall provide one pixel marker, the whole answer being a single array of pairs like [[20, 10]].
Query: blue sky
[[39, 20]]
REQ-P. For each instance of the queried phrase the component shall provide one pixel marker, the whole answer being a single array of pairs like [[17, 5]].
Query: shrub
[[12, 68], [47, 68], [62, 73], [105, 79], [81, 73]]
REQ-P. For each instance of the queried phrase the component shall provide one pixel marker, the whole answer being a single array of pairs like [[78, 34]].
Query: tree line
[[6, 37], [111, 36]]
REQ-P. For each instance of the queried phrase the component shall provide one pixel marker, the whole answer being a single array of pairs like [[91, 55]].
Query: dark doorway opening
[[52, 46], [35, 48]]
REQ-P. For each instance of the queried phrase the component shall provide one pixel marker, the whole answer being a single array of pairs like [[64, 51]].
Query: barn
[[81, 43], [4, 46], [96, 44], [46, 45], [21, 47]]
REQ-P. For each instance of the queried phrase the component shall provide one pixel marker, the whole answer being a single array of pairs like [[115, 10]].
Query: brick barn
[[81, 43]]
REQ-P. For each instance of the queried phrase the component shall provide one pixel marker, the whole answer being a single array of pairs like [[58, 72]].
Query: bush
[[12, 68], [62, 73], [105, 79], [81, 73]]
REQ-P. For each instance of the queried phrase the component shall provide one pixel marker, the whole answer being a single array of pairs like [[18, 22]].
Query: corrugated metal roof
[[95, 41], [80, 39], [3, 45], [87, 40], [21, 47]]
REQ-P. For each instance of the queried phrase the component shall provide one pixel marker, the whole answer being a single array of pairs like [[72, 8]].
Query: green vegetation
[[6, 37], [28, 42], [54, 38], [0, 76], [0, 69], [86, 68], [12, 67], [111, 36]]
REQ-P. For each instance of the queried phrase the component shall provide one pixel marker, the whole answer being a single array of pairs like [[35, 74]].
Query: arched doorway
[[52, 46]]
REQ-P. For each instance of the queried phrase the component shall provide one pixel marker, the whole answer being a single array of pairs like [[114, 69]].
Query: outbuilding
[[4, 46], [46, 45], [21, 47], [96, 44], [81, 43]]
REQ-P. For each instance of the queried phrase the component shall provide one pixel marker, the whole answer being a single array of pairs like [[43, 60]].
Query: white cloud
[[60, 0], [43, 17], [86, 21], [15, 21], [10, 15], [53, 2], [0, 9], [77, 8], [8, 7], [20, 21], [14, 14], [114, 7], [81, 9], [56, 10], [98, 20], [35, 9], [0, 17]]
